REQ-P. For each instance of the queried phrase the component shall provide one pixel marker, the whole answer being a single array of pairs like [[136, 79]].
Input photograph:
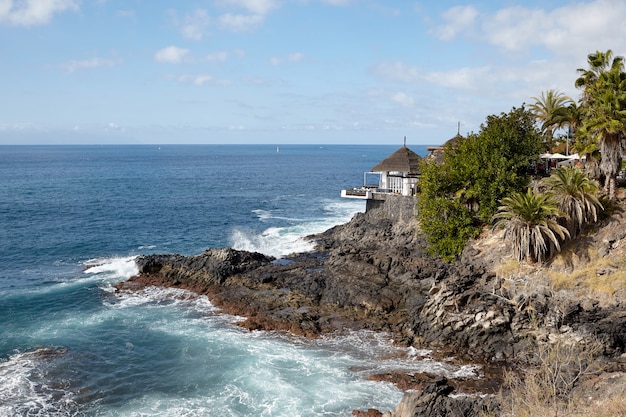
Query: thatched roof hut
[[436, 152], [398, 174], [403, 160]]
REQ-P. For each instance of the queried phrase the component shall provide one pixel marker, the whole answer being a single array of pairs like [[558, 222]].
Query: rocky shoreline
[[372, 273]]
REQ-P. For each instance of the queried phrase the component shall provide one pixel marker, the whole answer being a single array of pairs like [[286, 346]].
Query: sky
[[286, 71]]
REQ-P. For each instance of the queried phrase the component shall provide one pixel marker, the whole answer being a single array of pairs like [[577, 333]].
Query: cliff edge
[[373, 273]]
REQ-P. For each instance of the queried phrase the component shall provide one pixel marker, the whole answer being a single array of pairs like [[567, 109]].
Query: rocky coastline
[[373, 273]]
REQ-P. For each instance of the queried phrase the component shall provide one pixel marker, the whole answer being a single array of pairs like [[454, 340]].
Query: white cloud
[[33, 12], [587, 27], [218, 56], [465, 78], [483, 79], [294, 57], [503, 42], [516, 28], [92, 63], [240, 22], [127, 14], [114, 127], [16, 127], [403, 99], [201, 79], [222, 56], [338, 2], [171, 55], [575, 29], [256, 12], [195, 25], [457, 19], [398, 71], [257, 7]]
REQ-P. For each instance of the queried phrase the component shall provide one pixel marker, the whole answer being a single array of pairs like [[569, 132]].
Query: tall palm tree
[[544, 108], [599, 63], [530, 223], [575, 194], [604, 114]]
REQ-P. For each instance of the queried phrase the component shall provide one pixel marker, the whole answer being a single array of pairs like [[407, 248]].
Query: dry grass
[[520, 279], [614, 406], [549, 386], [511, 268], [602, 276]]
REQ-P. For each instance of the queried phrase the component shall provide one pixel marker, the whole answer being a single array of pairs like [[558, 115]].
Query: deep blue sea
[[72, 219]]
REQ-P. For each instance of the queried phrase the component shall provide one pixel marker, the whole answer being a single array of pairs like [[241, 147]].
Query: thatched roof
[[436, 152], [454, 141], [402, 160]]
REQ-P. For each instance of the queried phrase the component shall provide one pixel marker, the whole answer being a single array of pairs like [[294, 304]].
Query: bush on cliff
[[462, 194], [547, 386], [530, 222]]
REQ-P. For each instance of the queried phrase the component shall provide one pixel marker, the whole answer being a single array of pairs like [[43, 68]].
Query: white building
[[398, 174]]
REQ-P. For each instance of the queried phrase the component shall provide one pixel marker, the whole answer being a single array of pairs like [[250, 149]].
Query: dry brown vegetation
[[562, 383], [604, 277], [565, 380]]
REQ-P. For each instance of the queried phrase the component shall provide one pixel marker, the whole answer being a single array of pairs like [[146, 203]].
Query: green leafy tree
[[575, 195], [446, 222], [530, 224], [460, 195]]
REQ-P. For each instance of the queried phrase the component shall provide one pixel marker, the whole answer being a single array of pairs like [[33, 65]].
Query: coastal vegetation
[[575, 195], [530, 221], [461, 195], [538, 224], [486, 177], [548, 387]]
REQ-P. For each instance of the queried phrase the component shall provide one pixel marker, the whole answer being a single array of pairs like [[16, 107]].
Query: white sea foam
[[282, 241], [24, 392], [160, 296], [275, 241], [118, 268], [143, 247], [97, 270], [377, 350]]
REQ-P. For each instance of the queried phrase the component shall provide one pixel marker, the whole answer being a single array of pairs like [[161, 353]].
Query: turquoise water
[[74, 218]]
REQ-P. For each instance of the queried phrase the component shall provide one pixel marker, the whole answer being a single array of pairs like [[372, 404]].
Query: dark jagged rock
[[372, 273], [434, 400], [212, 267]]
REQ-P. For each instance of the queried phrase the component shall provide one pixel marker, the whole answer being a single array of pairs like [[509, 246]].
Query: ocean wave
[[285, 240], [275, 241], [88, 273], [157, 296], [116, 267], [24, 390], [378, 350]]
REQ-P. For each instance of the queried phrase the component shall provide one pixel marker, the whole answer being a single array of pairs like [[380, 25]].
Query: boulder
[[434, 400]]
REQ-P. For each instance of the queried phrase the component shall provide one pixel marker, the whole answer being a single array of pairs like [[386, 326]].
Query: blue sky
[[285, 71]]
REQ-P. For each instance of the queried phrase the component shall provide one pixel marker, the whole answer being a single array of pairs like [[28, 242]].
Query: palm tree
[[575, 195], [604, 114], [599, 63], [545, 107], [568, 117], [530, 223]]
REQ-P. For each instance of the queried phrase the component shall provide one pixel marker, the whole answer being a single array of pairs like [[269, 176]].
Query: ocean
[[72, 220]]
